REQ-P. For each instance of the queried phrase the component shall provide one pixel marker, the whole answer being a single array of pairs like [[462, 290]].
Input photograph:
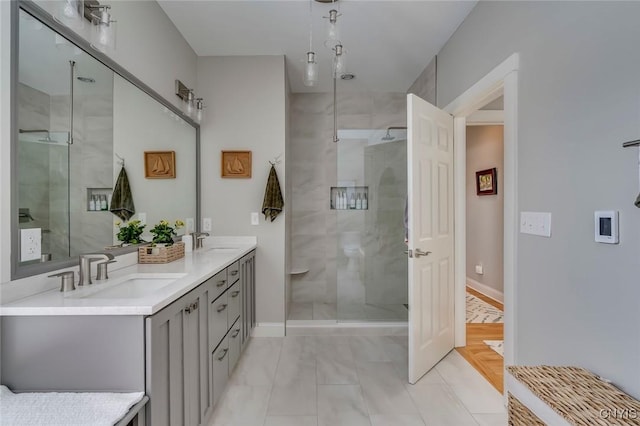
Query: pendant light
[[199, 109], [339, 60], [311, 66], [332, 30]]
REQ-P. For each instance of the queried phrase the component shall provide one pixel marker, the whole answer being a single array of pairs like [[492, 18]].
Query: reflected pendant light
[[332, 29], [339, 60], [310, 77], [70, 13], [103, 34]]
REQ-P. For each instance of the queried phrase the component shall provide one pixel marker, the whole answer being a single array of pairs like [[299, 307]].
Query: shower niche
[[349, 197]]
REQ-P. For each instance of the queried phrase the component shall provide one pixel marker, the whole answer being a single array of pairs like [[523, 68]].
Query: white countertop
[[198, 265]]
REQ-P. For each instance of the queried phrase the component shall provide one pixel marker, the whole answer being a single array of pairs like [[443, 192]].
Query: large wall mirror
[[79, 119]]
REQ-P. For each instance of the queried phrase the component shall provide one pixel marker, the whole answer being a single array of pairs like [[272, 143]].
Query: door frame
[[501, 81]]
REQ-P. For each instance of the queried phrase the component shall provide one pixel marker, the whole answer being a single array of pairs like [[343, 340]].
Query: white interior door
[[430, 209]]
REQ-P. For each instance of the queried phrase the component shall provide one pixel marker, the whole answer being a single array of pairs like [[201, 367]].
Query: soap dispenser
[[187, 239]]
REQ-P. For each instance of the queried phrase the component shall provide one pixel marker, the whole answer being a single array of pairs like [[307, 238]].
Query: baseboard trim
[[268, 329], [486, 290]]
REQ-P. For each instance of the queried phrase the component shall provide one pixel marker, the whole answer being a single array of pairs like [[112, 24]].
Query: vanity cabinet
[[194, 343], [177, 348]]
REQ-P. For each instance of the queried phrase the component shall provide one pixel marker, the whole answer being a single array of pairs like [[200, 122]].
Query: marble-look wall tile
[[319, 164]]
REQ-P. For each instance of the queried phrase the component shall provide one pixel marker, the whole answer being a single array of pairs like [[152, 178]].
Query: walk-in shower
[[371, 265]]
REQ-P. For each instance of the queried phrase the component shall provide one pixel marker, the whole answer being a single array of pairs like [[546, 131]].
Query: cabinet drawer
[[219, 284], [235, 338], [220, 369], [218, 325], [234, 297], [234, 272]]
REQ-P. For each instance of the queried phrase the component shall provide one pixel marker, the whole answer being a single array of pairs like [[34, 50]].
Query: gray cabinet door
[[178, 362], [165, 366], [247, 281], [235, 337]]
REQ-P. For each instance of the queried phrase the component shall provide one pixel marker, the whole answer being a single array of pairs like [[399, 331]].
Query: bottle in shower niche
[[92, 203], [365, 204], [103, 202], [358, 202], [343, 201], [352, 202]]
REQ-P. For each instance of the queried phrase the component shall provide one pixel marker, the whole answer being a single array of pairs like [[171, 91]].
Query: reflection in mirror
[[75, 116]]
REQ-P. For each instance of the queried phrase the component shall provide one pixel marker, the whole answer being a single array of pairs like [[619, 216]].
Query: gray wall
[[314, 170], [576, 300], [246, 104], [425, 85], [485, 213]]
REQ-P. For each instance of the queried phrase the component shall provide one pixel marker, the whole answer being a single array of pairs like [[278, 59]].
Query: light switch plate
[[30, 244], [535, 223], [206, 224], [255, 218]]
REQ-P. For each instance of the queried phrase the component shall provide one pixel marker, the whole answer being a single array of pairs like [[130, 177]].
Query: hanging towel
[[273, 202], [122, 200]]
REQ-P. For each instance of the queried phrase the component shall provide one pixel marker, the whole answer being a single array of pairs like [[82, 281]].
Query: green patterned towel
[[122, 200], [273, 202]]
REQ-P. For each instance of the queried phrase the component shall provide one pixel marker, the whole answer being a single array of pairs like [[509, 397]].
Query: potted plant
[[130, 233], [163, 232]]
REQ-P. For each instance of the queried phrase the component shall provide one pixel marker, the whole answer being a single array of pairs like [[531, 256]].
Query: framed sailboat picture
[[160, 164], [236, 164]]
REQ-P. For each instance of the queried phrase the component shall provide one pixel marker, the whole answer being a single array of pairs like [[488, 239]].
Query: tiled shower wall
[[314, 170]]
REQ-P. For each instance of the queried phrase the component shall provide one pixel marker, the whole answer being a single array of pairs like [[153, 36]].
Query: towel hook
[[276, 160], [121, 162]]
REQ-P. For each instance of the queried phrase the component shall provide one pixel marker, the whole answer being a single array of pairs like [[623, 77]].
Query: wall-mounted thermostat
[[606, 227]]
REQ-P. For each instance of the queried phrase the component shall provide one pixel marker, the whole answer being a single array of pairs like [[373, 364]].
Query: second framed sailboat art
[[236, 164], [160, 164]]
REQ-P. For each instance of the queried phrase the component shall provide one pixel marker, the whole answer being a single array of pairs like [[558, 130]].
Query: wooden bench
[[545, 395]]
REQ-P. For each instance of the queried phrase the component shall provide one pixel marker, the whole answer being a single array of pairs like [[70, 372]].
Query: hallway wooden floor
[[480, 356]]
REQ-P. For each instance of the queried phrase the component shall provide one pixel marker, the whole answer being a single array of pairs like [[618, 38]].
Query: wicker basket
[[519, 414], [163, 254], [577, 395]]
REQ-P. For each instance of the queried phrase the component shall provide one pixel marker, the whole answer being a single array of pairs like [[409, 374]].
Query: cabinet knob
[[235, 293], [221, 283], [222, 307], [235, 333], [234, 273]]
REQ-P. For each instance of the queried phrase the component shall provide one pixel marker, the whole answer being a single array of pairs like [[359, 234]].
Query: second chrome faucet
[[85, 266]]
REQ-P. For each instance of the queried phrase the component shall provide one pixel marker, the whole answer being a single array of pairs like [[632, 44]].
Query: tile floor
[[352, 381]]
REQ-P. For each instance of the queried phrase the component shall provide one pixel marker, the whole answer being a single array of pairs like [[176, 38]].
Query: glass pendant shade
[[332, 30], [310, 70], [339, 60], [70, 13], [103, 35]]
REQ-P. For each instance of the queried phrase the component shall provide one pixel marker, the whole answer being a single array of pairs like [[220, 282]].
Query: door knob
[[420, 253]]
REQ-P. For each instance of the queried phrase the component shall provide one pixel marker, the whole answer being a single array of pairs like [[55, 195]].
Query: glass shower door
[[371, 263]]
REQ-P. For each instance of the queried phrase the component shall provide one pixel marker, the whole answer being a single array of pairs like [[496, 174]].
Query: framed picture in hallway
[[486, 182]]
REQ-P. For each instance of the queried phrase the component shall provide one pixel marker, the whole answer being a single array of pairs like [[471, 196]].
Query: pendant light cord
[[310, 25]]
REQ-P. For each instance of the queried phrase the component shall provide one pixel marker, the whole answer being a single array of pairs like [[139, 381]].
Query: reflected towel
[[273, 202], [637, 203], [122, 200]]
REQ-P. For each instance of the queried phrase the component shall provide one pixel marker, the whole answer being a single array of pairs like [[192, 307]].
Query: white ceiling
[[388, 43]]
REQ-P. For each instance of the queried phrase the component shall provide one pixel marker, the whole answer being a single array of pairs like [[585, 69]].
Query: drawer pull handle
[[221, 283], [224, 353], [235, 333], [234, 273], [222, 307], [235, 293]]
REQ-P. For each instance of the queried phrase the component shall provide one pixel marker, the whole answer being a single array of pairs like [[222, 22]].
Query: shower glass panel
[[371, 263]]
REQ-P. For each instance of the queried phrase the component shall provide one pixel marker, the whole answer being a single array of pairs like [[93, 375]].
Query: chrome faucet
[[198, 240], [85, 265]]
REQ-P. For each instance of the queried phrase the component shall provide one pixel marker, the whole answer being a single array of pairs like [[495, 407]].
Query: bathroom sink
[[134, 286], [223, 249]]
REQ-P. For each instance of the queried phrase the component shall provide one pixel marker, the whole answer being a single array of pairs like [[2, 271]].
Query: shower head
[[388, 136]]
